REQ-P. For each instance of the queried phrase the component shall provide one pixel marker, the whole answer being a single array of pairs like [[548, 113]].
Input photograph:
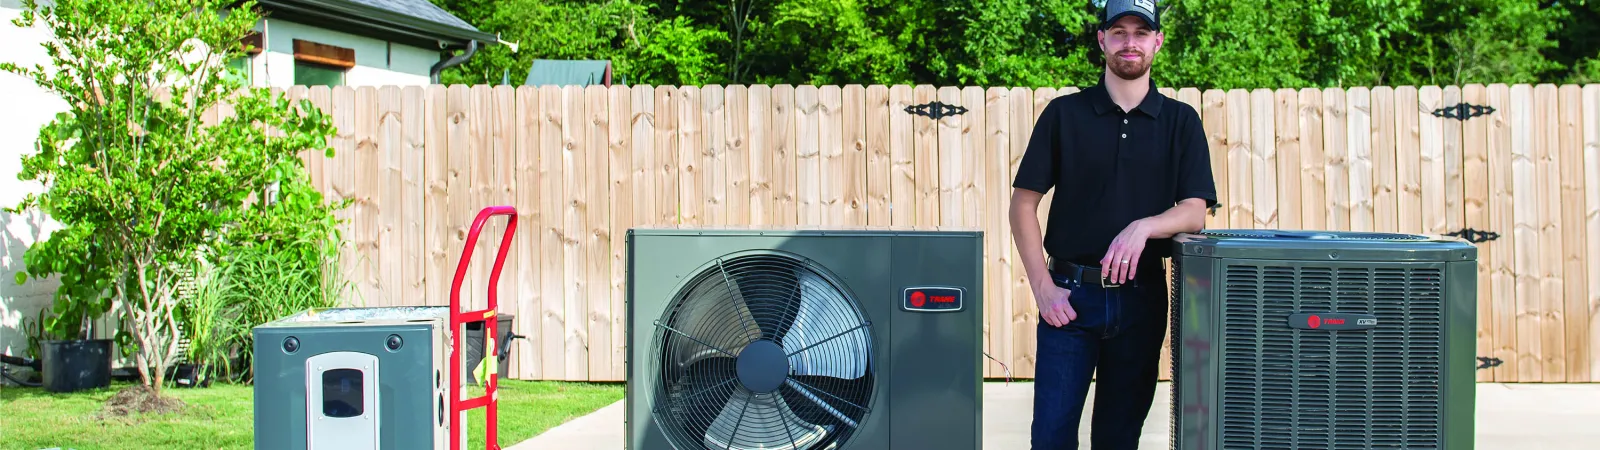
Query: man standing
[[1131, 169]]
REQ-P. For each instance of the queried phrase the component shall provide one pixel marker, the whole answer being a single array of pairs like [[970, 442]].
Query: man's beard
[[1128, 70]]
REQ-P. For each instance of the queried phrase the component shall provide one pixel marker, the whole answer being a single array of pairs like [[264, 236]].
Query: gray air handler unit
[[1323, 340], [804, 339], [354, 378], [376, 378]]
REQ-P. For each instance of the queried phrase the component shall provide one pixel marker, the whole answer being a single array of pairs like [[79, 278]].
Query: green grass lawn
[[222, 416]]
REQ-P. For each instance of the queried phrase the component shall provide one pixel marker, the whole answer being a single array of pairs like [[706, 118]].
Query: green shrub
[[283, 260]]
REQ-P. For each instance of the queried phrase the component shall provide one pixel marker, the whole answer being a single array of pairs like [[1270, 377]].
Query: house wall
[[378, 62], [19, 125]]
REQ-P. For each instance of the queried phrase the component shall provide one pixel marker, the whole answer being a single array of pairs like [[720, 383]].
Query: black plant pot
[[191, 376], [75, 365]]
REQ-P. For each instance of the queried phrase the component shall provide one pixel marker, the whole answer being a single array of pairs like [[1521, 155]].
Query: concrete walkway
[[1510, 416]]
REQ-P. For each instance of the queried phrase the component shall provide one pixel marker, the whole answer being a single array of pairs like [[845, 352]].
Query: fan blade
[[806, 391], [764, 422], [827, 338], [716, 326], [691, 353]]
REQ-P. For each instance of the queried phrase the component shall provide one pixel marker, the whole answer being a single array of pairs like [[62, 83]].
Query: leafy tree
[[1298, 43], [1228, 44], [1018, 43], [1576, 56], [142, 182], [642, 48], [1478, 41], [548, 30], [823, 42], [1212, 43], [673, 52]]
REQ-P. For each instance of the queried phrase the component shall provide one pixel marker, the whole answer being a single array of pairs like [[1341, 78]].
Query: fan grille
[[1350, 390], [1334, 235], [701, 399]]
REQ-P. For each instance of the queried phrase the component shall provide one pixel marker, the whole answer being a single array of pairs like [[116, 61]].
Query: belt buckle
[[1107, 284]]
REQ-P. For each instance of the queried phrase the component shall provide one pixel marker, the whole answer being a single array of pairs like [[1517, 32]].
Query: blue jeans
[[1118, 331]]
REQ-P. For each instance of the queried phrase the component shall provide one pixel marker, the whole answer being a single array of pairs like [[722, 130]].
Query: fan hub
[[763, 366]]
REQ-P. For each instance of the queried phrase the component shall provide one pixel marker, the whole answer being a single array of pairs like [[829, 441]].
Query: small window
[[242, 67], [318, 64], [313, 74]]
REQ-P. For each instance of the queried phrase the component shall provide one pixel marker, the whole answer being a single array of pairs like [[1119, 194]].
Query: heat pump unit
[[804, 339], [1322, 340]]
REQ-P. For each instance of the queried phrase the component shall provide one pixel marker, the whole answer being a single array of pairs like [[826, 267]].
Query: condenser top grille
[[807, 230], [1339, 235], [1315, 245]]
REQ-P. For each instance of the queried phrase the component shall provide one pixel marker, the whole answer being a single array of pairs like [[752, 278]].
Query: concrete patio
[[1510, 416]]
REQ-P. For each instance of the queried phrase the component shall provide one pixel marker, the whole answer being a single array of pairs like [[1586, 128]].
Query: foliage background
[[1220, 44]]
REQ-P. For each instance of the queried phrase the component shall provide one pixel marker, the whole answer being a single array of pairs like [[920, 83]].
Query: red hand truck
[[458, 320]]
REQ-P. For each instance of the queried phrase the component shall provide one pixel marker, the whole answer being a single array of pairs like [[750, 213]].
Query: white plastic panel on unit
[[342, 401]]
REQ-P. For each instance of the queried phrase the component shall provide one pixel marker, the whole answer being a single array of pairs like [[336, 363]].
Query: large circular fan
[[761, 351]]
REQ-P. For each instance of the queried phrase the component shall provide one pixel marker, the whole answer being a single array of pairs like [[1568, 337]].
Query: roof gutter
[[433, 72]]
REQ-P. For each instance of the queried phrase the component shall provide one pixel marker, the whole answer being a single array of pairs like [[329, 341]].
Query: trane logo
[[920, 299], [932, 299], [1332, 321], [1316, 321]]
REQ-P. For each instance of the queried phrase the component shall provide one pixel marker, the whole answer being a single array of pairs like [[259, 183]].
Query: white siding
[[30, 109], [378, 63]]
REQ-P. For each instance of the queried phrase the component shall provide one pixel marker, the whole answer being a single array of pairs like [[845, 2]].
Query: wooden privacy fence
[[584, 164]]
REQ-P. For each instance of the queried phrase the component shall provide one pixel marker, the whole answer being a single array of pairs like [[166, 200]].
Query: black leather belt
[[1084, 275]]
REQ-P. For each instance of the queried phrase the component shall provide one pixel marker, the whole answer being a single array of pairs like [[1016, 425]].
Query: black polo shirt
[[1110, 167]]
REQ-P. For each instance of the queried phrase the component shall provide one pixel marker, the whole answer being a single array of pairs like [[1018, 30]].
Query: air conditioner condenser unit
[[1322, 340], [804, 339]]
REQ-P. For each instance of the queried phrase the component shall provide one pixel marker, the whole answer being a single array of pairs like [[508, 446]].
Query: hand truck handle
[[499, 258], [491, 329]]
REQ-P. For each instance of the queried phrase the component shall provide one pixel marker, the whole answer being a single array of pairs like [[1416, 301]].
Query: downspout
[[433, 73], [266, 55]]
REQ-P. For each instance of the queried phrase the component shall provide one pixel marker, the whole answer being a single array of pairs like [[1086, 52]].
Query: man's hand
[[1052, 299], [1053, 302], [1121, 262]]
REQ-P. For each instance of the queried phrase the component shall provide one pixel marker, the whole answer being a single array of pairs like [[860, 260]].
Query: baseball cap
[[1144, 9]]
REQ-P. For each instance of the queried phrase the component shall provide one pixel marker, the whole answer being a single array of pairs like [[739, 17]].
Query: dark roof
[[421, 9], [418, 22]]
